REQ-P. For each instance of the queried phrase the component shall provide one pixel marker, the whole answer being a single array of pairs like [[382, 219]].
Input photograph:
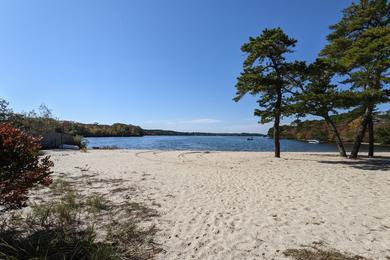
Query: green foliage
[[384, 116], [266, 72], [44, 122], [317, 95], [21, 166], [382, 134], [39, 124], [359, 46], [97, 130]]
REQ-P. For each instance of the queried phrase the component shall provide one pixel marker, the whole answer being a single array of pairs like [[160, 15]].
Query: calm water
[[207, 143]]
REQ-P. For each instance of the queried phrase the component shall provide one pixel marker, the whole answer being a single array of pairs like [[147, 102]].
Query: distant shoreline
[[177, 133], [213, 143], [174, 133]]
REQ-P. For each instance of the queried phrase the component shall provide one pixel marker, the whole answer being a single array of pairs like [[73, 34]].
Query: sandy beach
[[245, 205]]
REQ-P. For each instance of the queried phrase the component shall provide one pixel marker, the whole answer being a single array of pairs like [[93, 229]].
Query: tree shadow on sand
[[319, 254], [319, 250], [379, 163]]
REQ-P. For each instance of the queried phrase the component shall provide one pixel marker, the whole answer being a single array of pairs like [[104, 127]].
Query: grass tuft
[[97, 202]]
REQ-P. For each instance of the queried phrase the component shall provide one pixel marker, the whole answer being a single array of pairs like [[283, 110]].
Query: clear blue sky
[[168, 64]]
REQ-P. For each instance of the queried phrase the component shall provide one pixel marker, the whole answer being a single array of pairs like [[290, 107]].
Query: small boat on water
[[313, 141], [249, 139]]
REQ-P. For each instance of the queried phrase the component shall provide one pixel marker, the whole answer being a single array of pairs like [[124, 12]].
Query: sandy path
[[244, 205]]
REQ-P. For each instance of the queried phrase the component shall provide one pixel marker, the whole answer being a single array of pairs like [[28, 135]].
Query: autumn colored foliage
[[21, 166]]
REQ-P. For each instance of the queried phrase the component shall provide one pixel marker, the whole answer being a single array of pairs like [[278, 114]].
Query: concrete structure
[[55, 140]]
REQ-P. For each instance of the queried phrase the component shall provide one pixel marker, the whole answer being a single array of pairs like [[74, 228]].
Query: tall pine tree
[[317, 96], [360, 46], [267, 73]]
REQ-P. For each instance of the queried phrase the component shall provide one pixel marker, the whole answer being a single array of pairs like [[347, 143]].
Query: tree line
[[43, 121], [350, 72], [346, 124]]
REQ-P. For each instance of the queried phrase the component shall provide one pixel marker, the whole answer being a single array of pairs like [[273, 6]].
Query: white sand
[[247, 205]]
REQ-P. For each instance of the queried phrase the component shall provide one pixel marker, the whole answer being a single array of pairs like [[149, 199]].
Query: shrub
[[21, 166], [80, 141]]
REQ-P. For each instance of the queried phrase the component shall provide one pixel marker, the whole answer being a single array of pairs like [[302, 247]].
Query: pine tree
[[267, 73], [5, 112], [318, 96], [360, 46]]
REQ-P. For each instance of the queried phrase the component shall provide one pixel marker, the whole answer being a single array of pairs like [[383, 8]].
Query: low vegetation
[[68, 225], [77, 227], [21, 166], [96, 202], [81, 142]]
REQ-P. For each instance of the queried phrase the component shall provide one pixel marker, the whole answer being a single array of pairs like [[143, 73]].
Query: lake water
[[210, 143]]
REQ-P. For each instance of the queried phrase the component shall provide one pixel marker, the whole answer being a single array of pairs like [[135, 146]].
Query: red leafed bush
[[21, 166]]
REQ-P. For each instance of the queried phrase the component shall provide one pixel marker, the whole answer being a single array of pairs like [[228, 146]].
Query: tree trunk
[[277, 136], [277, 123], [361, 131], [370, 125], [339, 142]]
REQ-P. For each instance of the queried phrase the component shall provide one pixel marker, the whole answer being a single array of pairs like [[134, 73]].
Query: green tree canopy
[[267, 73], [317, 96], [359, 47]]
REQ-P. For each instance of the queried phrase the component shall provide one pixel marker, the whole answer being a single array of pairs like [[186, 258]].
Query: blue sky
[[168, 64]]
